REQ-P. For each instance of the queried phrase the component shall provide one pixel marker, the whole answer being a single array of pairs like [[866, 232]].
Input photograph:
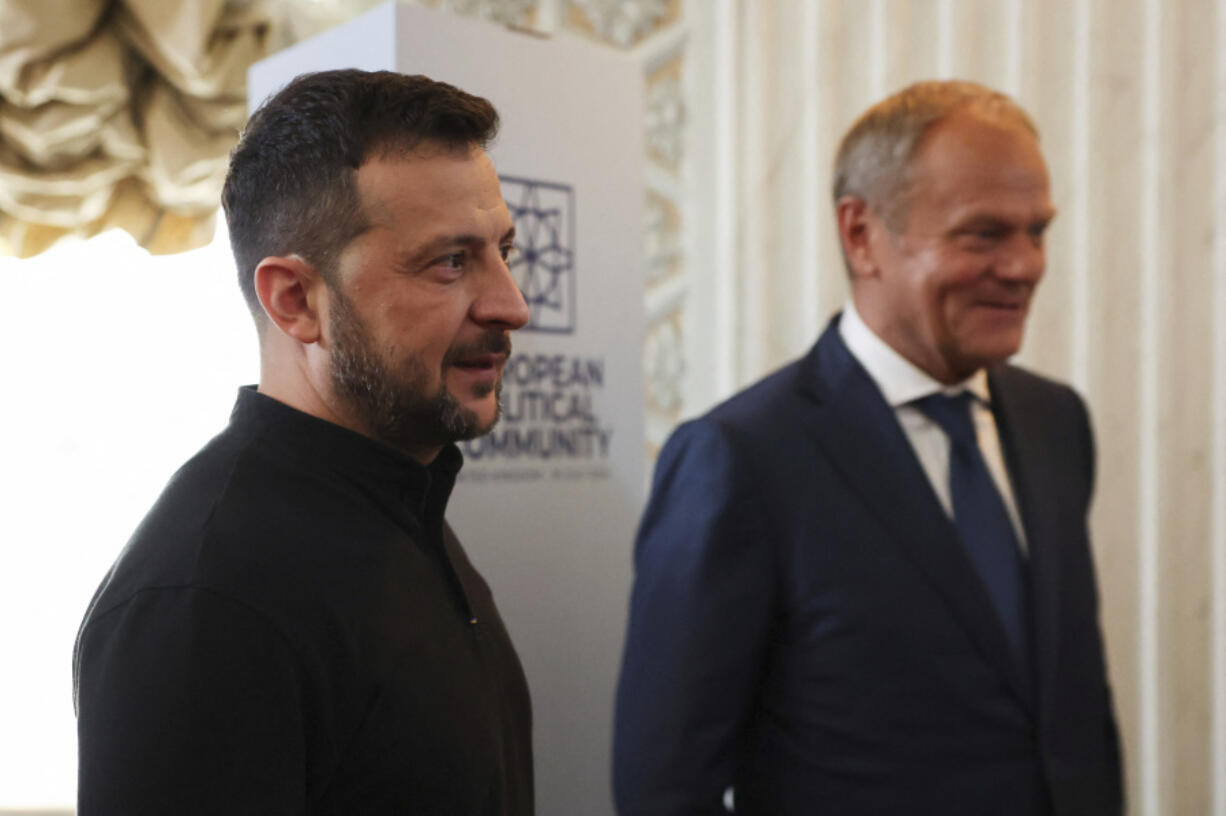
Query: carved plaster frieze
[[662, 236], [520, 13], [622, 22], [664, 370], [665, 114]]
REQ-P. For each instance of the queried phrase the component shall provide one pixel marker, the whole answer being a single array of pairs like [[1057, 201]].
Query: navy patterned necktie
[[981, 518]]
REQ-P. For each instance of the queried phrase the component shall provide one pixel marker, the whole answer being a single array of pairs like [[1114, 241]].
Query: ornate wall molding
[[519, 13], [624, 23]]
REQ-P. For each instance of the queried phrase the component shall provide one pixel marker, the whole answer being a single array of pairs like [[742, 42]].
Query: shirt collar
[[899, 380]]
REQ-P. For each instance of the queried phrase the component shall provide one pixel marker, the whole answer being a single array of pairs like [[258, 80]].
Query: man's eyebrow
[[980, 219], [442, 243]]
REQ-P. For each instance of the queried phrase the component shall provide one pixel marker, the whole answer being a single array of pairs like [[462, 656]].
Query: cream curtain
[[120, 114]]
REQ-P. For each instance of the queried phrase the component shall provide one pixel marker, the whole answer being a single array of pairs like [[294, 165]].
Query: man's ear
[[856, 223], [290, 290]]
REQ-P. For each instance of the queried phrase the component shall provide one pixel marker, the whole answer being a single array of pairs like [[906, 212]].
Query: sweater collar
[[317, 443]]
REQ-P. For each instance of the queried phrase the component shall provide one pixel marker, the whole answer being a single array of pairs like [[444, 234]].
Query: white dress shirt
[[901, 382]]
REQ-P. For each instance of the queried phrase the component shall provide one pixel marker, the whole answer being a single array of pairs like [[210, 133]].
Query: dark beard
[[393, 405]]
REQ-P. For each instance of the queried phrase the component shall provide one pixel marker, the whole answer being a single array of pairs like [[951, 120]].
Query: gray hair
[[874, 159]]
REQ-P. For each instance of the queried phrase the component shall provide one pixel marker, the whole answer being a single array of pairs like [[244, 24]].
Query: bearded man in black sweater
[[294, 628]]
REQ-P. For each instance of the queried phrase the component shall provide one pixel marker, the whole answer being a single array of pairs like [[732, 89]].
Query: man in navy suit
[[864, 585]]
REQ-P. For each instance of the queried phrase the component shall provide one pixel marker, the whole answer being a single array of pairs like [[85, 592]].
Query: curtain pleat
[[120, 114]]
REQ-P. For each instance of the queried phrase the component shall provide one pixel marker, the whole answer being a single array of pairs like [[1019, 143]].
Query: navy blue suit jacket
[[806, 629]]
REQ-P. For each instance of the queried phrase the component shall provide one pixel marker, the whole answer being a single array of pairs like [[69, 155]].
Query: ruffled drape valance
[[120, 113]]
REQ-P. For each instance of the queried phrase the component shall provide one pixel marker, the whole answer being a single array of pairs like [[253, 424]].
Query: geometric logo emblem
[[544, 260]]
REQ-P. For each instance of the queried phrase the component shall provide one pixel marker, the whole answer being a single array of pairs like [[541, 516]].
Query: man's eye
[[507, 251], [453, 261]]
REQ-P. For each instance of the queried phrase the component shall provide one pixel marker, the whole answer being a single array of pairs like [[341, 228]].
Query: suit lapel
[[860, 433], [1022, 438]]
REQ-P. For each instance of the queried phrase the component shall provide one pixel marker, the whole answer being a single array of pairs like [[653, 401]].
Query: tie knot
[[952, 413]]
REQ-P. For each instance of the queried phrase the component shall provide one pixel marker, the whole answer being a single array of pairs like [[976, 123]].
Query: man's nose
[[500, 302], [1023, 260]]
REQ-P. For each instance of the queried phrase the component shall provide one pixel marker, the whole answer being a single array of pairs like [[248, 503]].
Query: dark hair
[[291, 186]]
